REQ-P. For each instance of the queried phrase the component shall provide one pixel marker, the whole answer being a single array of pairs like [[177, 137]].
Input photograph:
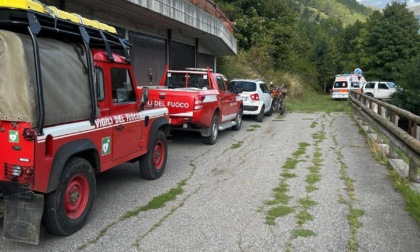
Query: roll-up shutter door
[[148, 54], [182, 56]]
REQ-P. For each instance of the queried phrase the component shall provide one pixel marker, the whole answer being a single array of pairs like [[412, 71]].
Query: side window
[[229, 86], [382, 86], [220, 83], [100, 86], [370, 85], [122, 89], [264, 88]]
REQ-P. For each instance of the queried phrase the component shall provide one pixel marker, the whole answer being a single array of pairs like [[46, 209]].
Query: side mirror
[[144, 97]]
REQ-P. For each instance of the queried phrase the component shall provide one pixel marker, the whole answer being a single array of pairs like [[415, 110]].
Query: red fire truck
[[69, 108]]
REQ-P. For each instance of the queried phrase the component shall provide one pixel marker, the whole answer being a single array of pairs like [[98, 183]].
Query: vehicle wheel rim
[[76, 197], [158, 155], [215, 132]]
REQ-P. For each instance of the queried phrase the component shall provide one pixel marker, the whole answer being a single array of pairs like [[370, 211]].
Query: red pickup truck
[[198, 100], [69, 108]]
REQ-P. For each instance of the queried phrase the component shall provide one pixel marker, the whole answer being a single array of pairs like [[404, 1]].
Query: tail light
[[20, 173], [255, 97], [29, 134], [198, 102]]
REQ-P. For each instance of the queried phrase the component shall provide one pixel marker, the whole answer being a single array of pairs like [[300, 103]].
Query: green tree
[[391, 42]]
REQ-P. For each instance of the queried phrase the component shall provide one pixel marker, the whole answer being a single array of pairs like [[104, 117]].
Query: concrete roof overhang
[[177, 15]]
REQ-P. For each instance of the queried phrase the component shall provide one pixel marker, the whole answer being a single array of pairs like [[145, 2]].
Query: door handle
[[119, 127]]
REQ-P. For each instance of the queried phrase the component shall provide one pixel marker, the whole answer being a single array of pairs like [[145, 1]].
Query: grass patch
[[303, 217], [252, 127], [311, 101], [307, 202], [278, 211], [290, 163], [237, 145], [301, 150], [280, 194], [411, 197], [302, 233], [314, 124], [313, 178], [288, 175], [311, 188]]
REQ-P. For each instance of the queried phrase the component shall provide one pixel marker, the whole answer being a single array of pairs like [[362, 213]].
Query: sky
[[382, 3]]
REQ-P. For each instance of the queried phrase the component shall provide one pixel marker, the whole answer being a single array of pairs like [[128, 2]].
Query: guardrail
[[382, 118]]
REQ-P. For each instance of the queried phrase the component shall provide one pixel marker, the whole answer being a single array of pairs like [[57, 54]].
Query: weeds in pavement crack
[[353, 217], [157, 202]]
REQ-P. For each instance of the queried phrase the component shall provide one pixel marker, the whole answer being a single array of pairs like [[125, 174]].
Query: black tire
[[276, 106], [369, 94], [1, 205], [238, 120], [153, 163], [270, 112], [66, 209], [214, 128], [282, 107], [260, 116]]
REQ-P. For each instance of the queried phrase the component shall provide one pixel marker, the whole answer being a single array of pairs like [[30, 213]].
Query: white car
[[379, 89], [256, 97]]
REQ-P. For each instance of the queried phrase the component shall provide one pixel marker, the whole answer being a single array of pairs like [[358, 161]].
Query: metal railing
[[382, 118], [211, 7]]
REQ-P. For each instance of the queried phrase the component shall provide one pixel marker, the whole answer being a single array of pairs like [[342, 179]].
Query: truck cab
[[198, 100]]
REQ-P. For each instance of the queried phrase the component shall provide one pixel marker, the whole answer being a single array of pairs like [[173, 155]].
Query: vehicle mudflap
[[205, 132], [22, 217]]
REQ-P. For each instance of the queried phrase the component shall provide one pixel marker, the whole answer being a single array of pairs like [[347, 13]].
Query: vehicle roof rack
[[50, 25], [199, 69]]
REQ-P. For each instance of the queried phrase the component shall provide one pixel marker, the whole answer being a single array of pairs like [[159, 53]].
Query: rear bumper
[[252, 108], [340, 96]]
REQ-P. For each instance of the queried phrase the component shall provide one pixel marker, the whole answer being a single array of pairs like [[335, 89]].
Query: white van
[[343, 83]]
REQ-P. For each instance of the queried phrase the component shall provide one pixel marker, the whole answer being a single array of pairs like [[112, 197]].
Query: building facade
[[173, 33]]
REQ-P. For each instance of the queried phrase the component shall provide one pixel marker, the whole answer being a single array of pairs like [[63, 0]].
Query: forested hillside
[[293, 41], [305, 43]]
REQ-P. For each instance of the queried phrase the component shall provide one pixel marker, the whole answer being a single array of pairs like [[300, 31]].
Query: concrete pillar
[[412, 172]]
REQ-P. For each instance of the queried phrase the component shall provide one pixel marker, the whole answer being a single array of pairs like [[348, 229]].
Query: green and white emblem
[[106, 146], [13, 136]]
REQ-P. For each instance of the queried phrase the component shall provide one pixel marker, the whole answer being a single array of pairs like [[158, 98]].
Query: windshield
[[392, 85], [245, 86], [355, 84], [179, 80], [340, 84]]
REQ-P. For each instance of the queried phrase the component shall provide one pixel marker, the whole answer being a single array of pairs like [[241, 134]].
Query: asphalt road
[[306, 182]]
